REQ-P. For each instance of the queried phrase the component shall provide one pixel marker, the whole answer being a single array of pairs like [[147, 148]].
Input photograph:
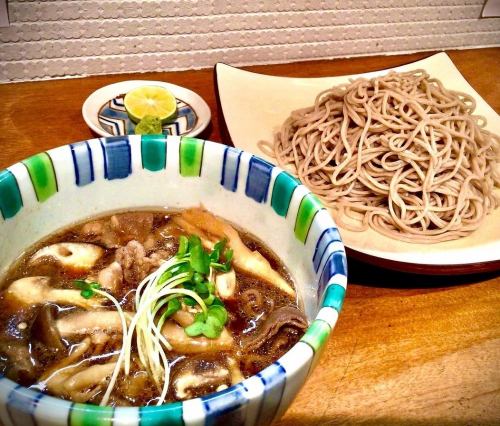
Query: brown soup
[[61, 333]]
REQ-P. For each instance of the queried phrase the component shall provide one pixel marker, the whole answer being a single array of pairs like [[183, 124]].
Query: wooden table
[[407, 349]]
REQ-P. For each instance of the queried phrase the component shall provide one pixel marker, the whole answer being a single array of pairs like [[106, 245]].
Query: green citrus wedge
[[149, 125], [150, 100]]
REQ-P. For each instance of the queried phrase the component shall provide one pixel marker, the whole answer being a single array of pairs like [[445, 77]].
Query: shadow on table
[[311, 420], [370, 275]]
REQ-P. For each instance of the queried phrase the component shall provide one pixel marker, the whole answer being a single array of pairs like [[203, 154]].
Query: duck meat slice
[[119, 229], [287, 316]]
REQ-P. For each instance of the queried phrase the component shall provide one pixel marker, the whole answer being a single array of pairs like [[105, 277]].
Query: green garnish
[[209, 299], [215, 257], [189, 301], [218, 248], [182, 279], [217, 302], [173, 306], [200, 259], [201, 288], [193, 263], [209, 324], [183, 245], [87, 288], [218, 312], [149, 125]]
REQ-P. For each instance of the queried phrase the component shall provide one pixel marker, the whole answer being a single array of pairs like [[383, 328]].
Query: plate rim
[[203, 111], [389, 261]]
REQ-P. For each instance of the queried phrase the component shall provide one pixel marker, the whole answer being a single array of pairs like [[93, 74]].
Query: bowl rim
[[324, 322]]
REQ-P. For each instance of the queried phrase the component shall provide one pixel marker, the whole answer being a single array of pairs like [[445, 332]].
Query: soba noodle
[[397, 153]]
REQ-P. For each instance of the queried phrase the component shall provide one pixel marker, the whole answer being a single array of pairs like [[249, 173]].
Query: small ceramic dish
[[105, 114], [250, 116], [70, 183]]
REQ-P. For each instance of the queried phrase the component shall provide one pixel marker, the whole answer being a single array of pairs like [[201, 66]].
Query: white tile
[[54, 39]]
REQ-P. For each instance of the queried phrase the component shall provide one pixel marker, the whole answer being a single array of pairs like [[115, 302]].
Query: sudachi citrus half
[[155, 101]]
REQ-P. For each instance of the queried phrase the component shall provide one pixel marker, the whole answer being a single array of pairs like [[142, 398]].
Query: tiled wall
[[59, 38]]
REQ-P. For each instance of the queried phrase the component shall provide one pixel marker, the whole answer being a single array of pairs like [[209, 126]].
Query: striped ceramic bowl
[[68, 184]]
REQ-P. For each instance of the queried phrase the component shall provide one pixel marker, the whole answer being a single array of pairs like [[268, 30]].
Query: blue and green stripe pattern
[[42, 175], [82, 163], [117, 157], [258, 400], [11, 200], [153, 152], [190, 157], [283, 189]]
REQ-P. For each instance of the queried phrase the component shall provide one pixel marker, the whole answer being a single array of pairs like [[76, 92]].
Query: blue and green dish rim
[[264, 396]]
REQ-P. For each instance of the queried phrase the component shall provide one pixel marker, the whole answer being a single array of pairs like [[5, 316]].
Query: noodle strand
[[397, 153]]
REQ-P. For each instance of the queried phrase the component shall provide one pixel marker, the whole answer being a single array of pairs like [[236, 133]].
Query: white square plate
[[254, 106]]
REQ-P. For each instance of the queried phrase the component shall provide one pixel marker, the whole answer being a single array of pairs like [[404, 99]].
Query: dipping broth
[[146, 307]]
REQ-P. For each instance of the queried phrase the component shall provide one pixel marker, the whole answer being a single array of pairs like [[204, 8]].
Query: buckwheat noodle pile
[[397, 153]]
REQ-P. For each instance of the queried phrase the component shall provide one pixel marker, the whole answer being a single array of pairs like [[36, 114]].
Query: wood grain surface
[[407, 349]]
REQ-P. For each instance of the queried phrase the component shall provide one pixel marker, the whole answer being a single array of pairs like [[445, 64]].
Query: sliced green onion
[[165, 277]]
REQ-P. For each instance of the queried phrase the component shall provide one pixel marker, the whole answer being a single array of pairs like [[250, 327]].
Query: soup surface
[[145, 307]]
